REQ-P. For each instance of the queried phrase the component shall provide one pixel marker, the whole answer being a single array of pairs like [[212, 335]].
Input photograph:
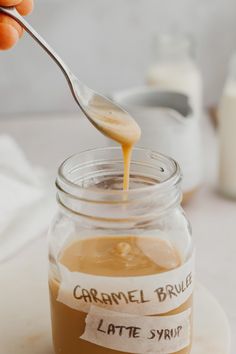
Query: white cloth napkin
[[26, 200]]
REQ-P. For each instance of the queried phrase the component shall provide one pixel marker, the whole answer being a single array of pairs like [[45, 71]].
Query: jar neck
[[90, 185], [172, 48]]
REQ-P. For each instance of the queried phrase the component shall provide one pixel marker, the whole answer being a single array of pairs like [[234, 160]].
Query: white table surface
[[48, 140]]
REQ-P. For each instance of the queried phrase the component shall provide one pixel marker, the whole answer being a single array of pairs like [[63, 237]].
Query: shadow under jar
[[121, 262]]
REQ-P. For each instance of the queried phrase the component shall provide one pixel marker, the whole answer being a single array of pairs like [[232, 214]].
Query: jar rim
[[93, 194]]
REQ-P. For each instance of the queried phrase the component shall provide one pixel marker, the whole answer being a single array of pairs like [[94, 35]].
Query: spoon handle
[[12, 12]]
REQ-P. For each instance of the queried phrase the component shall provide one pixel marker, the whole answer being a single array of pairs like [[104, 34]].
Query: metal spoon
[[101, 112]]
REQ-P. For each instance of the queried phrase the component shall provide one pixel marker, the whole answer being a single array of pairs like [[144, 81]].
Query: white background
[[108, 45]]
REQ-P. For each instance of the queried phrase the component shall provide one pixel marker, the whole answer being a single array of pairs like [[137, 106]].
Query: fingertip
[[9, 2], [8, 36], [25, 7], [8, 20]]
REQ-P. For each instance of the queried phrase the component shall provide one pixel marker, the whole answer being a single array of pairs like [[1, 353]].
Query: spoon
[[108, 117]]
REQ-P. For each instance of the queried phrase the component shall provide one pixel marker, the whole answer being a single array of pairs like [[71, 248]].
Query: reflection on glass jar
[[121, 263]]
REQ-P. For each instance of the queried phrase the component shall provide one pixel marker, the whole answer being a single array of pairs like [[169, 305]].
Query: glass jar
[[121, 263], [174, 68]]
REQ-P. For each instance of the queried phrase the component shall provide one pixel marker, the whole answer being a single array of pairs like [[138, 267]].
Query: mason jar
[[121, 262]]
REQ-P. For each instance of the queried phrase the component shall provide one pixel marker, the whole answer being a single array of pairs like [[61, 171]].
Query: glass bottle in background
[[227, 134], [174, 68]]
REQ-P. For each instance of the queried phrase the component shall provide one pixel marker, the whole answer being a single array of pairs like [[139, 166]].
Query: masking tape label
[[140, 295], [138, 334]]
